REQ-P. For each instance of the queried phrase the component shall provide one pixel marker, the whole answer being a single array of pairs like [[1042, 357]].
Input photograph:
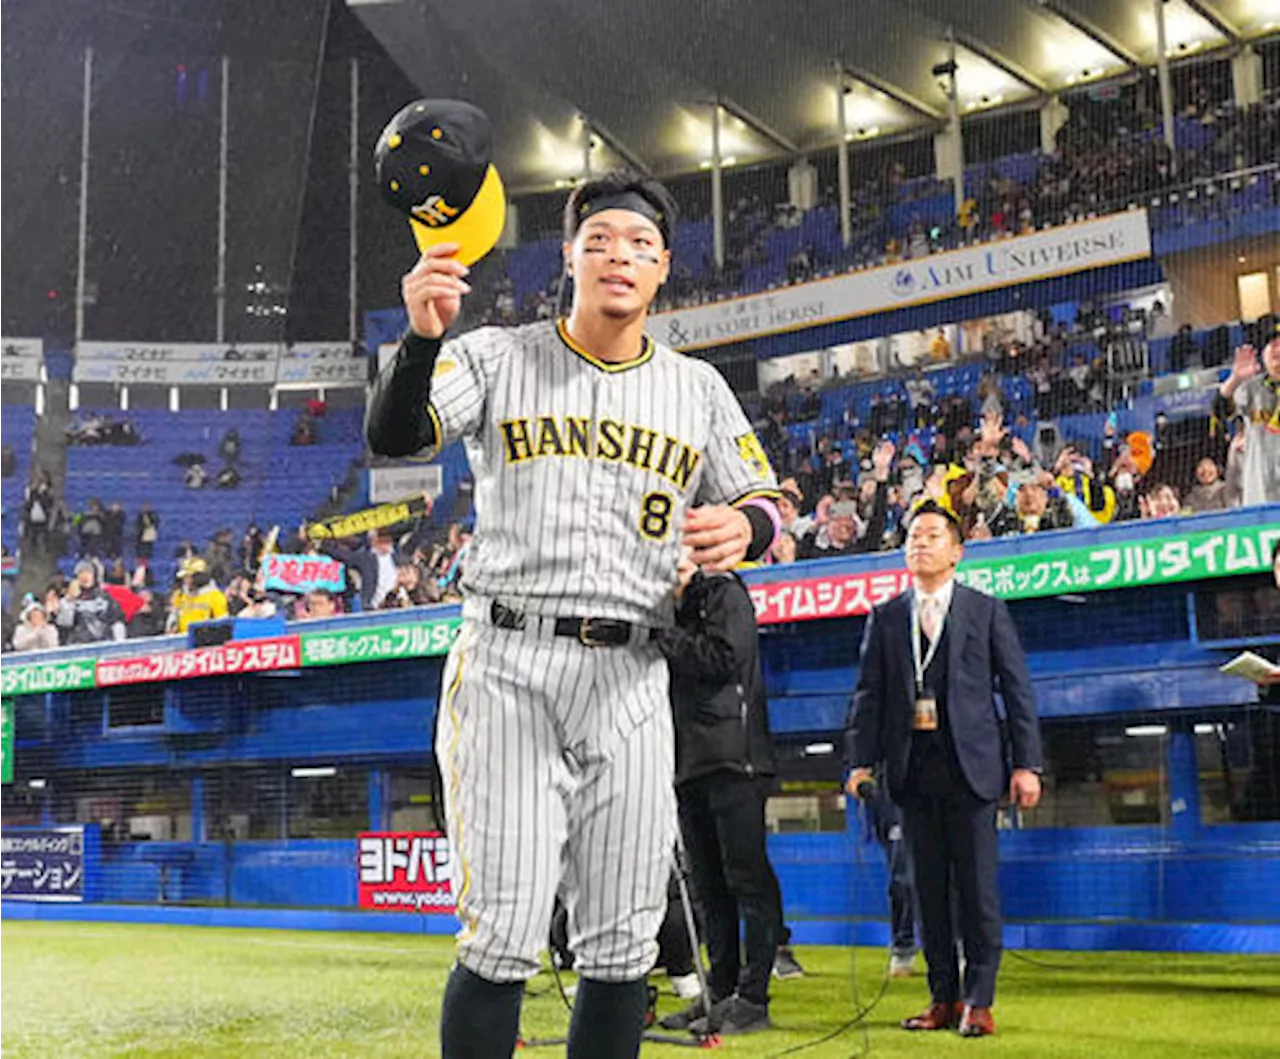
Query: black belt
[[590, 632]]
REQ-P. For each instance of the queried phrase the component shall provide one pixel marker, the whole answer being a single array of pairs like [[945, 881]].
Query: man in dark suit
[[924, 714]]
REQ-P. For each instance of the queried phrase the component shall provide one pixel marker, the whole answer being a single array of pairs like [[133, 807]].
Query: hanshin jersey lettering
[[584, 470]]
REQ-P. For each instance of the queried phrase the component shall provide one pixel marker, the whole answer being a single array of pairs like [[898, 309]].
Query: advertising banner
[[825, 597], [44, 864], [382, 643], [1134, 564], [20, 359], [412, 479], [1170, 559], [176, 363], [36, 677], [405, 871], [247, 656], [6, 741], [221, 364], [1057, 251], [322, 364]]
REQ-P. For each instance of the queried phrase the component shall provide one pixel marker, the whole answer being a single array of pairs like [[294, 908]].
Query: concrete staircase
[[50, 455]]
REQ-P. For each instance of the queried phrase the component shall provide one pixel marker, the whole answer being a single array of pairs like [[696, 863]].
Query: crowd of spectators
[[1003, 474], [969, 453], [848, 489], [1097, 167], [114, 596]]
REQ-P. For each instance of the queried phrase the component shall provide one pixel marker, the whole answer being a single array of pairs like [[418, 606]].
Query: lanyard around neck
[[922, 665]]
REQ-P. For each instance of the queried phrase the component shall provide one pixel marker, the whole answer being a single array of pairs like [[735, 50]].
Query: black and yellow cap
[[434, 165]]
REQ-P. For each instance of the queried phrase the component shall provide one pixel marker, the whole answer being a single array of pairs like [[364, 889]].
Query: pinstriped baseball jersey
[[584, 469], [558, 764]]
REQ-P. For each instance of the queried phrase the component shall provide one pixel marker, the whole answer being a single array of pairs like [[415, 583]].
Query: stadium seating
[[280, 483], [19, 426], [1227, 171]]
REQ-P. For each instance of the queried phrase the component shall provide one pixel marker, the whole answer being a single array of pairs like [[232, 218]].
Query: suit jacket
[[984, 657]]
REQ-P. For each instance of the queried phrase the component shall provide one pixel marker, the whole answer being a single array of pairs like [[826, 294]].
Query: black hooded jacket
[[717, 691]]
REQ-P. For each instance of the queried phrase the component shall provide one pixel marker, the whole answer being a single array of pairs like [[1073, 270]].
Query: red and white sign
[[248, 656], [406, 871], [837, 596]]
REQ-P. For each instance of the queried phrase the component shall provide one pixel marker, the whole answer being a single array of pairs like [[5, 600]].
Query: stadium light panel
[[1141, 730]]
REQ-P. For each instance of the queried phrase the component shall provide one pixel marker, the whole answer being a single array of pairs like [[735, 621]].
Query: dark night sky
[[153, 202]]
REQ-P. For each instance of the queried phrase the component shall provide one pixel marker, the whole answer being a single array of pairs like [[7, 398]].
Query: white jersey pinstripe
[[584, 470]]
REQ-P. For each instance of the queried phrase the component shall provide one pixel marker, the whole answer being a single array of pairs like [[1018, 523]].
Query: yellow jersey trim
[[645, 355], [467, 919]]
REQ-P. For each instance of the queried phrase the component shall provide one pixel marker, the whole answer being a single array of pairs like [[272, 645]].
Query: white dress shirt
[[940, 600]]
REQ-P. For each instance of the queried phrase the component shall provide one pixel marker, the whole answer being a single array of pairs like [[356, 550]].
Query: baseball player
[[599, 457]]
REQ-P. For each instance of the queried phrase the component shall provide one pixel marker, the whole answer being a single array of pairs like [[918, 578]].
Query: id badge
[[926, 713]]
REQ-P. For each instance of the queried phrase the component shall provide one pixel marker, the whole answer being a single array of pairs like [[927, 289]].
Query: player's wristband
[[419, 349], [765, 525]]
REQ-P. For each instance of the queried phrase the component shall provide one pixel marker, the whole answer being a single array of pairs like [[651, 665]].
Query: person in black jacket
[[724, 770]]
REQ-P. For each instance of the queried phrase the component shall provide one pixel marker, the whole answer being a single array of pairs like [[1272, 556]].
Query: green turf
[[72, 990]]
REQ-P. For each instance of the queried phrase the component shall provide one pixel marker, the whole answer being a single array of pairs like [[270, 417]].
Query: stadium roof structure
[[639, 80]]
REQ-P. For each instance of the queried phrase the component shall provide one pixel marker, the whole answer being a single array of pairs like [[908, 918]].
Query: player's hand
[[1245, 365], [1024, 789], [717, 537], [856, 779], [684, 573], [433, 291]]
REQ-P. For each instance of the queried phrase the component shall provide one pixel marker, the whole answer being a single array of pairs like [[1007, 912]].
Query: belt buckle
[[585, 635]]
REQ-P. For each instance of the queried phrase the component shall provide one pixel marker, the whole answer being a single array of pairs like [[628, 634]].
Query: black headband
[[626, 200]]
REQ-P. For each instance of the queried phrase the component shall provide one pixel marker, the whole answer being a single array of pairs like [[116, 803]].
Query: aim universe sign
[[1041, 255]]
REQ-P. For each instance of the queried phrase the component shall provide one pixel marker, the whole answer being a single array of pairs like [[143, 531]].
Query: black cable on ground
[[858, 1017], [1044, 964], [860, 1011]]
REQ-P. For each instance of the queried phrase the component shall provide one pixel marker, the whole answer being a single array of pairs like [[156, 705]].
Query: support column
[[948, 145], [82, 234], [1053, 116], [842, 161], [717, 190], [220, 290], [353, 210], [1246, 77], [379, 800], [1166, 85], [1184, 778], [199, 825], [802, 186]]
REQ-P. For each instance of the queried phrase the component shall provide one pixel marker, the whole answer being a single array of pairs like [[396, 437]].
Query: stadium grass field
[[88, 989]]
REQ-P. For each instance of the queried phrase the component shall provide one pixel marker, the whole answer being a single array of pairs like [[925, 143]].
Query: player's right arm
[[402, 418]]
